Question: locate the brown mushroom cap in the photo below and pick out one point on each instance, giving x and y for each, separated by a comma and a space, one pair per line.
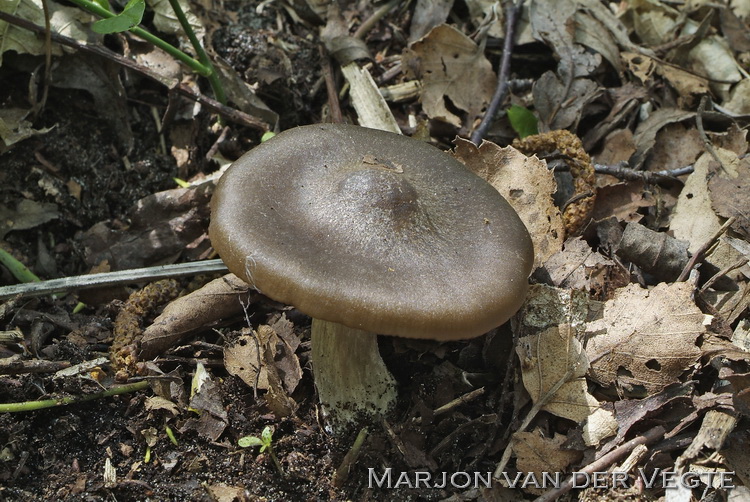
372, 230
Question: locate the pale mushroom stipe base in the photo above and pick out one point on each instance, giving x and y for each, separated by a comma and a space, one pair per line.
373, 231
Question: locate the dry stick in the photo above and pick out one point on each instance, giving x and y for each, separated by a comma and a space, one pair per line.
721, 273
462, 399
376, 16
706, 142
604, 462
703, 250
333, 97
34, 366
47, 57
231, 114
118, 278
511, 18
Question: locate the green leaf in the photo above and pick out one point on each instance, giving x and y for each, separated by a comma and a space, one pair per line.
267, 435
247, 441
266, 136
130, 17
522, 120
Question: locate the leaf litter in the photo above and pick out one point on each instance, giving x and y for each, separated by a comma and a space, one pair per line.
608, 347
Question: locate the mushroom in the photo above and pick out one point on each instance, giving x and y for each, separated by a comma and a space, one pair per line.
369, 232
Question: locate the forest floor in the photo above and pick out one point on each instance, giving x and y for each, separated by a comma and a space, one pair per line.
630, 353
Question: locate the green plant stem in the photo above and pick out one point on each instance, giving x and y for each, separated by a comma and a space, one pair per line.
18, 269
213, 77
276, 462
198, 67
51, 403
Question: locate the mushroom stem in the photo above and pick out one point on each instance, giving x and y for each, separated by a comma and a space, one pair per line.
351, 377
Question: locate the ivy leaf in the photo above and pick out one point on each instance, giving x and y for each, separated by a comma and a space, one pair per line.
130, 17
522, 121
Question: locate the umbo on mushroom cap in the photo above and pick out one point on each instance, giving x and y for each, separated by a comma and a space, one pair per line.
372, 230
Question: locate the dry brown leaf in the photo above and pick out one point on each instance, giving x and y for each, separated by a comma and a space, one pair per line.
552, 22
28, 214
694, 219
526, 184
538, 454
550, 357
730, 195
676, 145
442, 60
263, 350
427, 15
578, 266
550, 91
623, 201
645, 337
655, 253
221, 492
220, 299
162, 227
617, 147
547, 307
244, 358
645, 133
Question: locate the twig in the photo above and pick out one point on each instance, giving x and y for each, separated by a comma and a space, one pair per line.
703, 250
33, 366
333, 97
465, 398
706, 142
604, 462
111, 278
376, 16
63, 401
511, 18
231, 114
721, 273
623, 172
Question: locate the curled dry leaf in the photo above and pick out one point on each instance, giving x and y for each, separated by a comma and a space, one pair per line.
220, 299
442, 60
526, 184
656, 253
646, 338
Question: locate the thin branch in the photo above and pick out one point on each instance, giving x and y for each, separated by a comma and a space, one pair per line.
511, 18
121, 277
604, 462
231, 114
333, 97
51, 403
703, 250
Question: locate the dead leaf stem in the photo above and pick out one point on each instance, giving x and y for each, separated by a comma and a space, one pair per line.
703, 250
